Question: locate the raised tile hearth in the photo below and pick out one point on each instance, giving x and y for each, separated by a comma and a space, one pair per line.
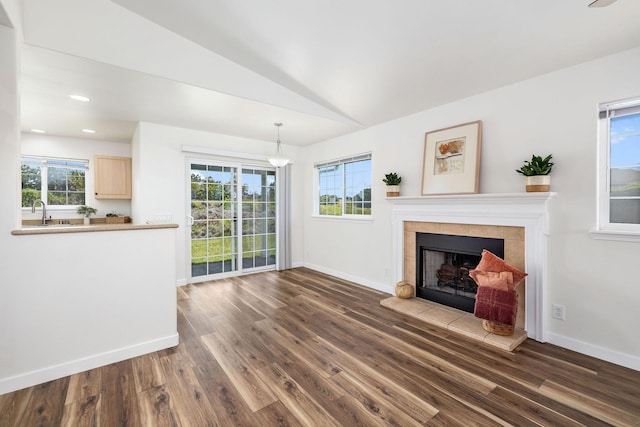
454, 320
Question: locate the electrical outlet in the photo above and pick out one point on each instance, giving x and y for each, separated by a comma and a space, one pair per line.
162, 218
557, 311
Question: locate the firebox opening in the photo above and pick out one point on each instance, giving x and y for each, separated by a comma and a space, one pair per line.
444, 262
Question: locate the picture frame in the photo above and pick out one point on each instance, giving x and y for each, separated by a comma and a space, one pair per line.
451, 161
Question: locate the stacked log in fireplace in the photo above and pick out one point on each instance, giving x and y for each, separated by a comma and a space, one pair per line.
457, 277
443, 263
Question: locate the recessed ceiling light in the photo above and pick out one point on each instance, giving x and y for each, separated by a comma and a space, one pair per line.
88, 131
38, 131
79, 98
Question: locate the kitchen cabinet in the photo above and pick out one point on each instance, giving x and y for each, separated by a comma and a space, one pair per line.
112, 177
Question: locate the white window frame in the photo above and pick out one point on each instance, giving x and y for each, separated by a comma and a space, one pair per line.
605, 229
43, 162
316, 188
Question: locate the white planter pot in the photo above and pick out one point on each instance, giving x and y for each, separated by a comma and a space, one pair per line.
538, 183
87, 221
393, 190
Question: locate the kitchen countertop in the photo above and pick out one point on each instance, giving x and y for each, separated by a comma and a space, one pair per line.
59, 229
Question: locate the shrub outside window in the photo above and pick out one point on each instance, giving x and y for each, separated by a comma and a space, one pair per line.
57, 182
344, 186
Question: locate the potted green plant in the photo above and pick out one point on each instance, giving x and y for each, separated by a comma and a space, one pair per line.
393, 181
537, 172
86, 212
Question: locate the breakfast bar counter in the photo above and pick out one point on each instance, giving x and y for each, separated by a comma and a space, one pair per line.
59, 229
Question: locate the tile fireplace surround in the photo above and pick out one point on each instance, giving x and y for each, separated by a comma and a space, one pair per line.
521, 219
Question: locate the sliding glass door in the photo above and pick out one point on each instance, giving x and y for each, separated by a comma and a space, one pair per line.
258, 218
232, 216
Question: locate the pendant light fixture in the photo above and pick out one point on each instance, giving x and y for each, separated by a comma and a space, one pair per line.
278, 160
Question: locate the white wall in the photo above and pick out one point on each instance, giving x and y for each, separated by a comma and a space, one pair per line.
9, 54
160, 178
555, 113
76, 301
76, 148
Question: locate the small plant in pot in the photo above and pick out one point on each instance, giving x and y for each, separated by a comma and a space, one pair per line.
393, 181
537, 172
86, 212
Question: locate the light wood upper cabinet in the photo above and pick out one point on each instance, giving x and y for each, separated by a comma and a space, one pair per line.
112, 177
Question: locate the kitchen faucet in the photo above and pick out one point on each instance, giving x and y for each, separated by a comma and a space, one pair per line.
44, 210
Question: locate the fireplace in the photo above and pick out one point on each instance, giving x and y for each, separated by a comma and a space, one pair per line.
443, 263
520, 219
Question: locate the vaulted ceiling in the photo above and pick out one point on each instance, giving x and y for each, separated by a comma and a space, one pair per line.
324, 68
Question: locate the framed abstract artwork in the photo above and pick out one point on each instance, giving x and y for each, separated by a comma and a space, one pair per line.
451, 162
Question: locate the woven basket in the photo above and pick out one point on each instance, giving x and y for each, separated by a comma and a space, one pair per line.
497, 328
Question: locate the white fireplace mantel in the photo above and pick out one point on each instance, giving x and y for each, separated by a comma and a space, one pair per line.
528, 210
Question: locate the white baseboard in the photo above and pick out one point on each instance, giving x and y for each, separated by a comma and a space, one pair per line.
29, 379
297, 264
622, 359
359, 280
181, 282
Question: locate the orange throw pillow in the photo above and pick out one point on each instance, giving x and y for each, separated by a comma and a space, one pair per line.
491, 262
502, 280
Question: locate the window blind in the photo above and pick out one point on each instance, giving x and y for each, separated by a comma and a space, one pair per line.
622, 108
56, 163
356, 158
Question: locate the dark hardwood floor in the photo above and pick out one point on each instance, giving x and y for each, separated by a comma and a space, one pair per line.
299, 348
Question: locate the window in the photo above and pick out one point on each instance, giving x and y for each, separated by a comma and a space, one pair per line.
57, 182
619, 158
344, 186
